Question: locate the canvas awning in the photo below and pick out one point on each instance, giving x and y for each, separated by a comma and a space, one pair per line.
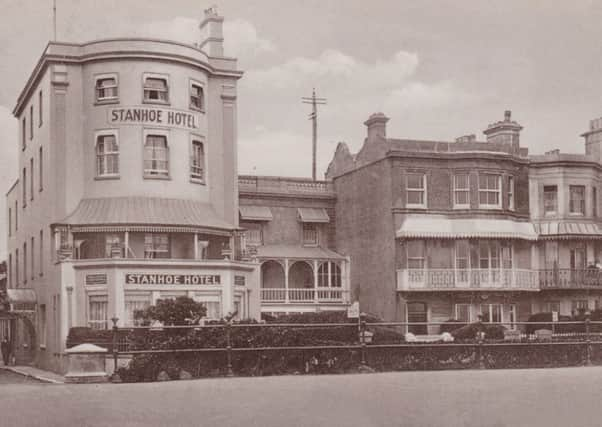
313, 215
437, 227
558, 229
161, 213
255, 213
22, 299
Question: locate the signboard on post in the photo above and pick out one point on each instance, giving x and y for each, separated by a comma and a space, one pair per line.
353, 311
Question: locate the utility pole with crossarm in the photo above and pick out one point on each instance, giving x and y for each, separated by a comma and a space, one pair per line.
314, 117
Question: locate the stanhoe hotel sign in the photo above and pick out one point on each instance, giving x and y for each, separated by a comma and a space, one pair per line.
168, 117
172, 279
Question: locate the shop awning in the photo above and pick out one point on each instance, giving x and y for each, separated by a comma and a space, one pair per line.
255, 213
22, 299
313, 215
437, 227
558, 229
146, 211
296, 252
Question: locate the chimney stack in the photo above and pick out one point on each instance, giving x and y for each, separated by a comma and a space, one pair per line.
506, 132
593, 139
212, 36
377, 126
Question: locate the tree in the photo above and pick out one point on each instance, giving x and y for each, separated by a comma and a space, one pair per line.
170, 312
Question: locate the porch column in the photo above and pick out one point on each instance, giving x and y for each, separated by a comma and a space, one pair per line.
196, 246
69, 307
286, 297
329, 272
535, 266
315, 262
126, 244
346, 284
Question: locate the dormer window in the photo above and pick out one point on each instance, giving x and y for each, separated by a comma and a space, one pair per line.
156, 89
106, 88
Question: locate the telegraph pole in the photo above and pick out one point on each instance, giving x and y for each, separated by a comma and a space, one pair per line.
314, 118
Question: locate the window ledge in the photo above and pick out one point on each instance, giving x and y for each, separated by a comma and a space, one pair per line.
491, 207
410, 206
200, 110
106, 177
42, 346
576, 214
106, 101
155, 101
464, 207
197, 181
158, 177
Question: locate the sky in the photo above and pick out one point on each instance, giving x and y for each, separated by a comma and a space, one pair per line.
438, 68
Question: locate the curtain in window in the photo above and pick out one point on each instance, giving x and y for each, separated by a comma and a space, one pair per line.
197, 162
107, 155
98, 312
156, 155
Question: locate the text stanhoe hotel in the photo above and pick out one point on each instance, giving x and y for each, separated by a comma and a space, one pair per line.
128, 192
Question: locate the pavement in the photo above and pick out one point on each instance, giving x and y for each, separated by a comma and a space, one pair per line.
35, 373
479, 398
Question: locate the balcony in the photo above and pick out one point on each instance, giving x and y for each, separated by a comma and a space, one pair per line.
441, 279
568, 278
304, 295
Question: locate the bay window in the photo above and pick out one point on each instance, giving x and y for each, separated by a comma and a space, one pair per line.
416, 254
550, 200
197, 161
577, 199
98, 311
156, 89
107, 154
416, 190
156, 156
106, 87
490, 191
461, 191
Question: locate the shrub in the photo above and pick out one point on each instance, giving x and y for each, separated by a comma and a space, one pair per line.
80, 335
547, 317
451, 325
179, 311
469, 332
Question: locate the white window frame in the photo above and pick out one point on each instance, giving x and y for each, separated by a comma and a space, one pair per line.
417, 190
192, 106
490, 306
457, 190
43, 325
457, 306
511, 201
106, 99
543, 192
253, 234
488, 191
155, 173
164, 77
316, 231
201, 177
100, 298
420, 259
210, 298
104, 173
571, 211
140, 301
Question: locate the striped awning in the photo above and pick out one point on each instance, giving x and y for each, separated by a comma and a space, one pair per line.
313, 215
438, 227
255, 213
145, 212
22, 300
558, 229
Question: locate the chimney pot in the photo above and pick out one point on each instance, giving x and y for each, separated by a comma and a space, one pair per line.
507, 115
377, 126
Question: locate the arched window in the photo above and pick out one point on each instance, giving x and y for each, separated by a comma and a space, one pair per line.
107, 155
335, 275
156, 156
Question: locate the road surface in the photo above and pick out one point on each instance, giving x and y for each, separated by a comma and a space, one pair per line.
539, 397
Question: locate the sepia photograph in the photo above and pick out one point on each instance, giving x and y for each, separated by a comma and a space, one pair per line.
300, 213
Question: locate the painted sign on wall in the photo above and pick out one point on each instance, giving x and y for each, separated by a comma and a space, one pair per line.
172, 279
169, 117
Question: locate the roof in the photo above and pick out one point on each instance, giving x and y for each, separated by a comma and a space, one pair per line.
145, 211
560, 228
432, 226
296, 252
313, 215
255, 213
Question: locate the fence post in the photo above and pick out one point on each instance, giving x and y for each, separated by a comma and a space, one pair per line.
115, 378
588, 346
362, 337
229, 372
480, 344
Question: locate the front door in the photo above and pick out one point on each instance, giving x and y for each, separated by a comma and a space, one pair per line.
417, 313
577, 260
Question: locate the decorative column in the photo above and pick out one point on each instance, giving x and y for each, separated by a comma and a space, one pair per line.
315, 263
69, 307
286, 296
196, 246
126, 244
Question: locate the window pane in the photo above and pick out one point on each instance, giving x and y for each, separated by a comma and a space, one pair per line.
415, 181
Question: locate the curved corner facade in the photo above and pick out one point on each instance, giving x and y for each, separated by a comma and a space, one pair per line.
128, 190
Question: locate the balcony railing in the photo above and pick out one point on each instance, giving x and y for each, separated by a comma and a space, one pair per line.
476, 278
304, 295
570, 278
